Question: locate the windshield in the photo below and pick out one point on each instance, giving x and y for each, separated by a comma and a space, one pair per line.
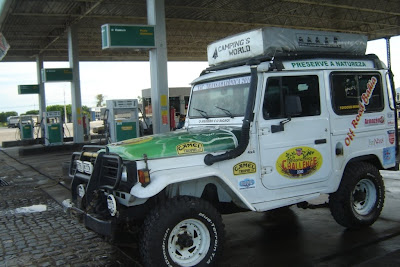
222, 98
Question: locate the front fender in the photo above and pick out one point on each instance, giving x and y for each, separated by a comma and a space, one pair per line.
161, 179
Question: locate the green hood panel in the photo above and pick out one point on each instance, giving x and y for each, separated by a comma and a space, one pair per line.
177, 143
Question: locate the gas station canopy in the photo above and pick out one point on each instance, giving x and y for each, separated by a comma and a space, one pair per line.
33, 27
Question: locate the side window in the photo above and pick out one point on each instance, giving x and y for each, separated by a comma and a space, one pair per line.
349, 90
305, 87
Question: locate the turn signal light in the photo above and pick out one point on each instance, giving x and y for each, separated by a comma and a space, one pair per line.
144, 177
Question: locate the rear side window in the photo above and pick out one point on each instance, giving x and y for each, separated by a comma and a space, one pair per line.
352, 91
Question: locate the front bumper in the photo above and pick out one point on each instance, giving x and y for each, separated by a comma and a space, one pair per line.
100, 226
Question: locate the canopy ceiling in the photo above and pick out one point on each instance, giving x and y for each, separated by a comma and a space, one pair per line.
34, 27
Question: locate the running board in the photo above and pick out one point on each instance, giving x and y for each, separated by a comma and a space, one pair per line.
274, 204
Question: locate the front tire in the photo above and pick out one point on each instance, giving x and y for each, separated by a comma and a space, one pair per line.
185, 231
359, 200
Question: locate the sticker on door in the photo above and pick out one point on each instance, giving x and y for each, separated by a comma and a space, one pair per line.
299, 162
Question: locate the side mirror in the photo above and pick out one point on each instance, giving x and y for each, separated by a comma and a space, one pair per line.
292, 108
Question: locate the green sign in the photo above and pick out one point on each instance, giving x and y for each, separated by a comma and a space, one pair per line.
57, 75
127, 36
28, 89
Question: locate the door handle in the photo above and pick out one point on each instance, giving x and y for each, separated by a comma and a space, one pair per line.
320, 141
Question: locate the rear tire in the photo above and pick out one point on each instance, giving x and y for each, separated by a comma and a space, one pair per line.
185, 231
359, 200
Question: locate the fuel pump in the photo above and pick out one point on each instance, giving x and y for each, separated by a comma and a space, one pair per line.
122, 119
26, 127
53, 132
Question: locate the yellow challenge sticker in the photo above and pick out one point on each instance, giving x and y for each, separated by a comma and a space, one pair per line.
189, 148
244, 167
299, 162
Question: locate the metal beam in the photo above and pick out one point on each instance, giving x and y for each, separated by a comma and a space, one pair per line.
74, 21
362, 9
75, 85
4, 9
158, 67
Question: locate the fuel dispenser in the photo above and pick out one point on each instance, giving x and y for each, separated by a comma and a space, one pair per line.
26, 127
53, 131
122, 119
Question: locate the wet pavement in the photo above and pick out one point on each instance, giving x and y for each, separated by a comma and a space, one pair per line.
35, 230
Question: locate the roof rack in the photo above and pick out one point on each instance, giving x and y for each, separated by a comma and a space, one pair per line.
276, 62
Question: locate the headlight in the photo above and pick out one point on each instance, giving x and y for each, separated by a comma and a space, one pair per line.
124, 174
87, 167
112, 205
79, 166
81, 190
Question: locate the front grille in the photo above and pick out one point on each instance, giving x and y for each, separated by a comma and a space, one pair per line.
110, 173
100, 169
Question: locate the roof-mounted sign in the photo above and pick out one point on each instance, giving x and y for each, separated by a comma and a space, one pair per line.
28, 89
327, 64
57, 75
4, 46
127, 36
271, 41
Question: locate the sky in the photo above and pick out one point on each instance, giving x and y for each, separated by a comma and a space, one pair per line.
121, 80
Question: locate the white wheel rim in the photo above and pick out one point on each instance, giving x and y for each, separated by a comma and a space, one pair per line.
364, 197
198, 237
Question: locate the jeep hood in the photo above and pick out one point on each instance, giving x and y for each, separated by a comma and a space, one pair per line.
177, 143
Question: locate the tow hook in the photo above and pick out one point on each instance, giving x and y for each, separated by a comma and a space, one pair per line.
72, 211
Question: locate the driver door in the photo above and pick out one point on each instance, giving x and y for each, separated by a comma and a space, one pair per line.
294, 150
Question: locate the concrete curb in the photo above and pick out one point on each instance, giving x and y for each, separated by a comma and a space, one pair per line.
390, 174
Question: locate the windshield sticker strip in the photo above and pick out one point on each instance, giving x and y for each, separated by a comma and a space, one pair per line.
222, 83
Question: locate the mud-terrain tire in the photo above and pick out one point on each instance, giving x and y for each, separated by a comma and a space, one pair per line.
185, 231
359, 200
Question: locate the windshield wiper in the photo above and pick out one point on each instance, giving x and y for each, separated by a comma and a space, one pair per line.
227, 112
202, 113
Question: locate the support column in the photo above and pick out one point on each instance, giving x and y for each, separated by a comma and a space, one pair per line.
42, 95
182, 104
158, 67
389, 61
75, 84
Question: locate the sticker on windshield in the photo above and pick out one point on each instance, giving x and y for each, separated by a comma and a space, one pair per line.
189, 148
299, 162
222, 83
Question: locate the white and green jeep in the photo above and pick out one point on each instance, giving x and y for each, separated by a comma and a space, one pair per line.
280, 117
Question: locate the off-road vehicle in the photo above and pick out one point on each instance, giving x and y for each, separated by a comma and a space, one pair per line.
280, 117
